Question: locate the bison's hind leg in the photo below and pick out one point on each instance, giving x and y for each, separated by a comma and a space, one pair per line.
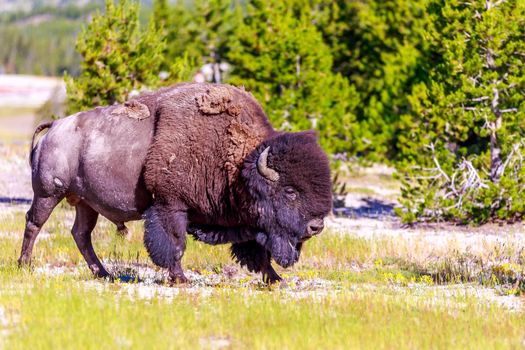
85, 221
36, 217
256, 259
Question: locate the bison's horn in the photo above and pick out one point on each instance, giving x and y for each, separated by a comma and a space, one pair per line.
262, 166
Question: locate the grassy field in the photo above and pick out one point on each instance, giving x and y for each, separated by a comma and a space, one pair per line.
366, 282
346, 292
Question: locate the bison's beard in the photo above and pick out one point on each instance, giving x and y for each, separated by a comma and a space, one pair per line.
282, 249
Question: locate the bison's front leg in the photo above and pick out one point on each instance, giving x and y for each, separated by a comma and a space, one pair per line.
256, 259
165, 238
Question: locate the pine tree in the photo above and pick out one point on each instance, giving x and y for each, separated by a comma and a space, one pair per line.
381, 47
466, 133
278, 54
118, 57
200, 29
161, 14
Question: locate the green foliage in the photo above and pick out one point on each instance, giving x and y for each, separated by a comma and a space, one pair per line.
119, 57
201, 29
462, 143
282, 59
381, 47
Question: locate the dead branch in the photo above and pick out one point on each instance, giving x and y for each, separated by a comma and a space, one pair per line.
478, 99
489, 4
502, 168
509, 110
438, 167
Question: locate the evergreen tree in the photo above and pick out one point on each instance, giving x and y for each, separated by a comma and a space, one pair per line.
201, 29
463, 144
279, 55
118, 57
161, 14
382, 48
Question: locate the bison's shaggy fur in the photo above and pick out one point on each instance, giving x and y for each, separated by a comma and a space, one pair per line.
204, 173
196, 158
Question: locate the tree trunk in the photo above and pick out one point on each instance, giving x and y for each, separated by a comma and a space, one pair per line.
495, 149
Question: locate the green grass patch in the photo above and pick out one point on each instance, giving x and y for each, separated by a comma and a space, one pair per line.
346, 292
62, 312
13, 111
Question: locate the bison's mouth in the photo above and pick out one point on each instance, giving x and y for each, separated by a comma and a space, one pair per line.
282, 249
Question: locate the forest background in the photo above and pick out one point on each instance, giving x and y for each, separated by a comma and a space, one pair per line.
433, 88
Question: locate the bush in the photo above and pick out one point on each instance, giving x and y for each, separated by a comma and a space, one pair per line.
118, 58
462, 144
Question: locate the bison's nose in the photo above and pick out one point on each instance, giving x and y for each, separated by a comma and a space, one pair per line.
315, 227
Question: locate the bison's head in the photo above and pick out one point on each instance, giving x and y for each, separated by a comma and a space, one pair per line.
288, 178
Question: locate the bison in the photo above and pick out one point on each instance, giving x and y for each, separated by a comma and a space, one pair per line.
201, 159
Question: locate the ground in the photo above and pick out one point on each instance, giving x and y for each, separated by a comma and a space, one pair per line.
366, 282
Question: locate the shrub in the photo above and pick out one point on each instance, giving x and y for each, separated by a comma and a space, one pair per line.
462, 144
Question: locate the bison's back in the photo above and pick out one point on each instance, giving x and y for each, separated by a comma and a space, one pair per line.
98, 156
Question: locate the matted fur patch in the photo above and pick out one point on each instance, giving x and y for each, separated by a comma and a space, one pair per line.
218, 100
132, 109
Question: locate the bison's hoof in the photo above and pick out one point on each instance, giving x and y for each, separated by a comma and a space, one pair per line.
177, 279
176, 274
271, 277
24, 262
123, 231
99, 271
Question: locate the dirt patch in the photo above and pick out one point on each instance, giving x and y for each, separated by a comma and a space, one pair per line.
151, 284
434, 235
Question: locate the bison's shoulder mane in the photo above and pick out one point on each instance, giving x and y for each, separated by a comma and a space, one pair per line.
203, 134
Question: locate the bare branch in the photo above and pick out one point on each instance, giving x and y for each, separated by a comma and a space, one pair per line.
478, 99
489, 4
495, 100
471, 180
502, 168
509, 110
438, 167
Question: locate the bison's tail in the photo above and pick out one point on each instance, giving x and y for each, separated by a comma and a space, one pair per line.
38, 130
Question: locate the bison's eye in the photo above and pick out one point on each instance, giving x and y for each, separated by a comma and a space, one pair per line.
290, 193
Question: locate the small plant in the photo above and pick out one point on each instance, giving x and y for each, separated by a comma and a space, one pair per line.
338, 190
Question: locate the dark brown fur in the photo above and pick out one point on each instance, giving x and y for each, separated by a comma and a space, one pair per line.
186, 159
201, 169
198, 151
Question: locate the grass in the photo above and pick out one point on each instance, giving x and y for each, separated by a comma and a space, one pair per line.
62, 313
13, 111
346, 292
